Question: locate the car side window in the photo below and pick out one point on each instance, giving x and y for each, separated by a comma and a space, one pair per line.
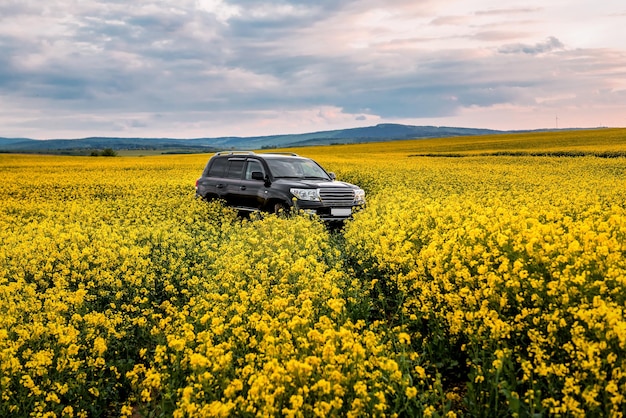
253, 165
218, 167
235, 169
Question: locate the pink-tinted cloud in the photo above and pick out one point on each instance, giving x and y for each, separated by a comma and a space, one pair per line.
212, 68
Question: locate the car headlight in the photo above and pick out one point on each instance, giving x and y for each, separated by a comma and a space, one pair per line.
359, 196
306, 194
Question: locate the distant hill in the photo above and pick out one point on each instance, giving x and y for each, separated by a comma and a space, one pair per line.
378, 133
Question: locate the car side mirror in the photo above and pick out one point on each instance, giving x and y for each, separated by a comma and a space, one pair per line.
332, 176
257, 175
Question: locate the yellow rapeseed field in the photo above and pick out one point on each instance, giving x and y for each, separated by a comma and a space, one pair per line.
486, 277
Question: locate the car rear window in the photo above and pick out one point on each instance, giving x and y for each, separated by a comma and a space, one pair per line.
218, 167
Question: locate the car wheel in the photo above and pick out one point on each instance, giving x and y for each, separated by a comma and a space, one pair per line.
281, 209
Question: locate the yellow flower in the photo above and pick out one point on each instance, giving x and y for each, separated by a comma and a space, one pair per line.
411, 392
99, 346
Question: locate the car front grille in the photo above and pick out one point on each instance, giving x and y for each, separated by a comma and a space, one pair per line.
337, 196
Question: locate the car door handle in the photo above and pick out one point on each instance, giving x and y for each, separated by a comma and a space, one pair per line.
220, 186
243, 187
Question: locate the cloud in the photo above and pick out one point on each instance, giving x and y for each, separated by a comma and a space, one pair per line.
508, 11
498, 35
549, 45
208, 64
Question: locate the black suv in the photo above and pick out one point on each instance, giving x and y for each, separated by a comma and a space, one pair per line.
275, 182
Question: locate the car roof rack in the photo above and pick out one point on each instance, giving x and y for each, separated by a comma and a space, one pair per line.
293, 154
234, 153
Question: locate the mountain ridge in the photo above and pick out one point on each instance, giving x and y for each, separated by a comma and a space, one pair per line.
378, 133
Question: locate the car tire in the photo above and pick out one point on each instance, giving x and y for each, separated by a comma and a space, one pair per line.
281, 209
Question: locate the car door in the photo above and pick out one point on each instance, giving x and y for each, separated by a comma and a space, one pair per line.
252, 191
229, 186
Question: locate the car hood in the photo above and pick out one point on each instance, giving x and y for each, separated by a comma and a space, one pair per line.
313, 184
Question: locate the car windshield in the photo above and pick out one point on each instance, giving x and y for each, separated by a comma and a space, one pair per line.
296, 168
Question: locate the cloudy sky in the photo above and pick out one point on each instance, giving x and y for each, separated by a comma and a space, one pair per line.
207, 68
